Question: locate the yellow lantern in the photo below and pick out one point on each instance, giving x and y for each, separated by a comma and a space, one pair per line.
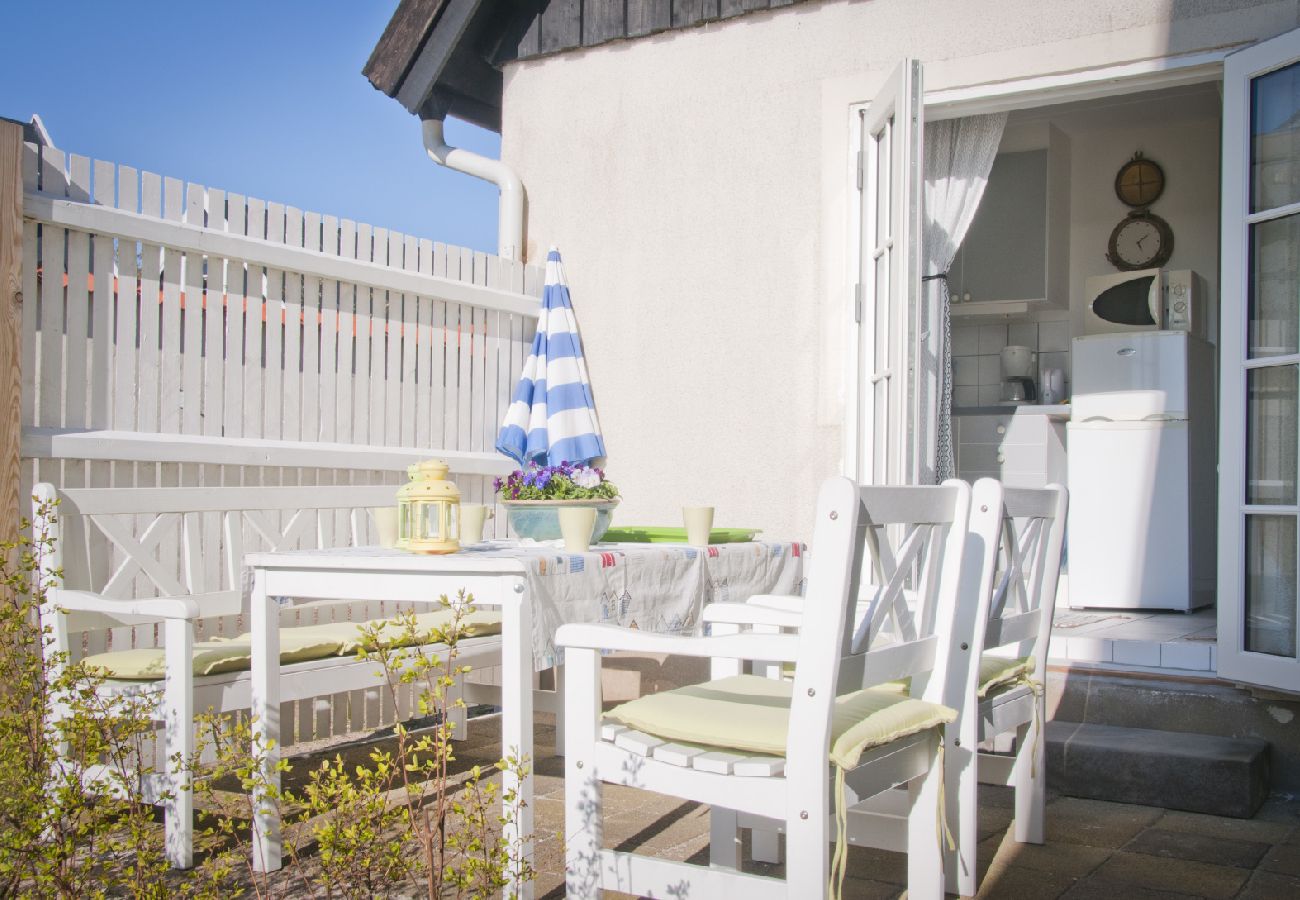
428, 510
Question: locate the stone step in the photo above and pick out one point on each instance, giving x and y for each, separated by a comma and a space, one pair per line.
1175, 770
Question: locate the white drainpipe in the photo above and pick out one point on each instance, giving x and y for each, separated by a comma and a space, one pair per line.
510, 218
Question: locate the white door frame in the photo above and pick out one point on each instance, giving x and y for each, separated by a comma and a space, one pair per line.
949, 103
1234, 661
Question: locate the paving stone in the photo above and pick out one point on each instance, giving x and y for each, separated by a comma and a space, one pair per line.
1256, 829
1196, 772
1012, 883
993, 820
1076, 860
1183, 876
1283, 859
1270, 886
1097, 823
1221, 851
1104, 889
877, 865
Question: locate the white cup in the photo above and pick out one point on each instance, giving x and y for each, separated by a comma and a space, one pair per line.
473, 516
577, 524
699, 522
386, 522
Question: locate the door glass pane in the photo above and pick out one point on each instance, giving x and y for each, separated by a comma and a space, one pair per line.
1271, 435
1270, 585
1275, 139
1274, 287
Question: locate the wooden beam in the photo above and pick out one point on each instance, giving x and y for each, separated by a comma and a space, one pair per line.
400, 43
197, 239
127, 446
436, 52
11, 318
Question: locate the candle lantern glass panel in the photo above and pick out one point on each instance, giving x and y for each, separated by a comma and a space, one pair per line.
429, 510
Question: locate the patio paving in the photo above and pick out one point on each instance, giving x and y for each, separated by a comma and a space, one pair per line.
1094, 849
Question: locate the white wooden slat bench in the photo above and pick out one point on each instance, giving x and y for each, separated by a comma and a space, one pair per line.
139, 571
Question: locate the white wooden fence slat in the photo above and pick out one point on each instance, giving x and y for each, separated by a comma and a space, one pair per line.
255, 314
291, 392
312, 337
391, 436
31, 172
101, 326
479, 389
77, 348
348, 368
464, 354
451, 355
363, 406
409, 344
192, 316
273, 387
50, 385
214, 326
150, 312
127, 332
172, 351
423, 350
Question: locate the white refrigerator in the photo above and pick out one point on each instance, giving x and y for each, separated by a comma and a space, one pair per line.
1141, 472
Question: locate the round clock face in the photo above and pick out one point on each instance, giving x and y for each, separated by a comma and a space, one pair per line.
1140, 182
1141, 242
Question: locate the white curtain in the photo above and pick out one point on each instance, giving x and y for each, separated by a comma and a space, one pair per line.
958, 157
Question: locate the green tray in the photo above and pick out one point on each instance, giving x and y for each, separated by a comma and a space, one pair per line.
638, 534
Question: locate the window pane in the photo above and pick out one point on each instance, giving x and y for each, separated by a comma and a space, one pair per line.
1274, 287
1271, 411
1275, 139
1271, 585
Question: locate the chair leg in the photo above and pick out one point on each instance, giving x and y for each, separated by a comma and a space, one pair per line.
559, 714
765, 845
961, 781
1031, 780
724, 838
924, 842
583, 810
178, 729
808, 844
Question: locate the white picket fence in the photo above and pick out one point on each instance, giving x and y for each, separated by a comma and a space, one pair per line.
172, 324
178, 335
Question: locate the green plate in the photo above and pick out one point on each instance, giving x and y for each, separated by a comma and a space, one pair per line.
638, 534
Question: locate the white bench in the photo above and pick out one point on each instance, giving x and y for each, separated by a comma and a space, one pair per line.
163, 568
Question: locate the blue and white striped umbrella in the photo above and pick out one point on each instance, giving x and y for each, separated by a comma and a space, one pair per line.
552, 418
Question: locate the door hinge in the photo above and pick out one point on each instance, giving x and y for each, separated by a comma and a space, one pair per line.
859, 170
857, 303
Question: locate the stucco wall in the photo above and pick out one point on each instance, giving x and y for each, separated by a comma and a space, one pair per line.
698, 186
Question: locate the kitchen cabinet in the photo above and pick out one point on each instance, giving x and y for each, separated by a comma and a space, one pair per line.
1016, 255
1020, 448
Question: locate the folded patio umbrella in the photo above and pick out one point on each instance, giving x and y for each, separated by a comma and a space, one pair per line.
552, 418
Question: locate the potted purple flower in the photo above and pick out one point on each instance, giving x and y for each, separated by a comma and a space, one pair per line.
534, 495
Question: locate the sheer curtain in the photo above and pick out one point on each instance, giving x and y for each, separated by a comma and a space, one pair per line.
958, 156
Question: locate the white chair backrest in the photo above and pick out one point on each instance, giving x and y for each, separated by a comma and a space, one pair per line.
1029, 565
899, 549
136, 542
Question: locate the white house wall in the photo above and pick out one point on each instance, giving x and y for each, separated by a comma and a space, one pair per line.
699, 186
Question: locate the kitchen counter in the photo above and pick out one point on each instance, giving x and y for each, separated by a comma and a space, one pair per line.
1056, 411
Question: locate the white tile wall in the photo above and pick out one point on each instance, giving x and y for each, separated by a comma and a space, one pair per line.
976, 370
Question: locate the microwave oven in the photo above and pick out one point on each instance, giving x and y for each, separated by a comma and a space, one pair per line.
1146, 300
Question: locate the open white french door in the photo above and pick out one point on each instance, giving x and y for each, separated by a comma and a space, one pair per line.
886, 306
1259, 466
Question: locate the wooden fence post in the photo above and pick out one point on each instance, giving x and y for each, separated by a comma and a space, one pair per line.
11, 300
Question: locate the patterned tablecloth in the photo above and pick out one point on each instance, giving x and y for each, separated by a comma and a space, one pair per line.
657, 587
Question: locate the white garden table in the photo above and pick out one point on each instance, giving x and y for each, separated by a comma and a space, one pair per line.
538, 587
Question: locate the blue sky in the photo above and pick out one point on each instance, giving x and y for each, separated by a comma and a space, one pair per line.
265, 99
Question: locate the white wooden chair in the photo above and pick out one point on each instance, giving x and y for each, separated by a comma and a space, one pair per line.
161, 567
1010, 696
768, 756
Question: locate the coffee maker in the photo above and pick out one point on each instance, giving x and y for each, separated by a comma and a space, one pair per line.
1017, 365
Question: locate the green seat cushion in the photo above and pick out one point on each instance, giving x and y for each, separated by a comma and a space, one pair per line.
997, 671
751, 713
300, 644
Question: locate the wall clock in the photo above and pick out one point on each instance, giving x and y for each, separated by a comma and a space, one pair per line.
1139, 182
1142, 240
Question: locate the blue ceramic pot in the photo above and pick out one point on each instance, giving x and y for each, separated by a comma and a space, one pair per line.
540, 519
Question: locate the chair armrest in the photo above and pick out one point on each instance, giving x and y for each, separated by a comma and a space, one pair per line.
774, 647
157, 607
789, 602
751, 614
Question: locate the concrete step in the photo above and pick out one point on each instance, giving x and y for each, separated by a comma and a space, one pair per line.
1196, 705
1175, 770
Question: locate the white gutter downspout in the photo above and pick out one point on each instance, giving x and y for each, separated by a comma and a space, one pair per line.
510, 214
